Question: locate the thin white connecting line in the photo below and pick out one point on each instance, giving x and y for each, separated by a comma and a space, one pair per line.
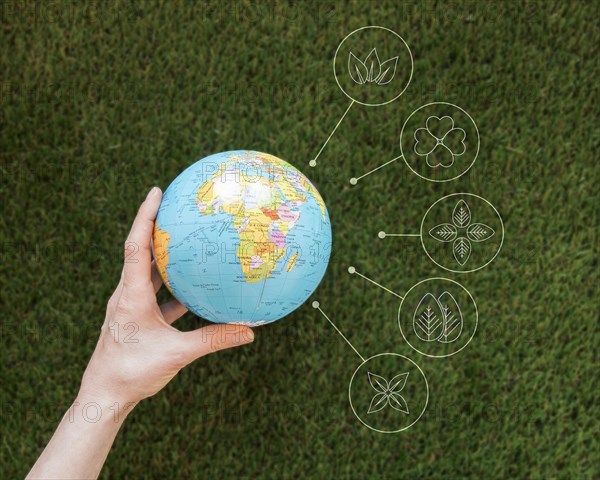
316, 305
384, 234
313, 162
354, 180
353, 271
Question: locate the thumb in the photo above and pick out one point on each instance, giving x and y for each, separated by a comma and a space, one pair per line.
213, 338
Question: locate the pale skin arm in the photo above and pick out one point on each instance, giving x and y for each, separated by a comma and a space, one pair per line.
137, 354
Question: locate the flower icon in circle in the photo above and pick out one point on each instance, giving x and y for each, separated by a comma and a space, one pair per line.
440, 141
388, 393
455, 232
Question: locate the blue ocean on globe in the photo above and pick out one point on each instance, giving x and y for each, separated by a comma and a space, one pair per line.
242, 237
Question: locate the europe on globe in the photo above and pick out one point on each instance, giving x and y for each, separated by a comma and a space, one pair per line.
242, 237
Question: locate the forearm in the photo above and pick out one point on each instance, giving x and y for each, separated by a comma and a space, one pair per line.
81, 443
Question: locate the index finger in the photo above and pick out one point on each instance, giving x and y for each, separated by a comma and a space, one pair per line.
137, 264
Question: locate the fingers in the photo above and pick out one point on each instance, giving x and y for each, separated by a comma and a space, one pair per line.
172, 310
137, 247
213, 338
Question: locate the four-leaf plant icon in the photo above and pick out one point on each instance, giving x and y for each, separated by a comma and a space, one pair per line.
371, 70
388, 393
440, 142
461, 232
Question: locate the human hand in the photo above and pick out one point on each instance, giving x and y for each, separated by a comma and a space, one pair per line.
138, 351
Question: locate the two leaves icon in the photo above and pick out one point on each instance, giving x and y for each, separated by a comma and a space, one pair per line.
438, 319
471, 232
388, 393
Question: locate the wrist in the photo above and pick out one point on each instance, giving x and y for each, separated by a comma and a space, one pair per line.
93, 407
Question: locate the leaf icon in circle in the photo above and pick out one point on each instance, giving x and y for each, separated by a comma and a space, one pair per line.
388, 70
479, 232
428, 318
373, 65
461, 216
379, 383
378, 402
444, 232
452, 318
397, 402
461, 249
357, 69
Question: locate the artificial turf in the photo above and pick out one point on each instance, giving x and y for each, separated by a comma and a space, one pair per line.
100, 101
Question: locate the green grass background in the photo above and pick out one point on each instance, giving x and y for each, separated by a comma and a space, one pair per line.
101, 101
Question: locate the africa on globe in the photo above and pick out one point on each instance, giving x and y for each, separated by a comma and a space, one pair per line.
242, 237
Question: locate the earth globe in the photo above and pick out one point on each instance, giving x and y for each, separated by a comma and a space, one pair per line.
242, 237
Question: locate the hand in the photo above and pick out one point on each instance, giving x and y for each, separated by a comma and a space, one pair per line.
137, 354
138, 351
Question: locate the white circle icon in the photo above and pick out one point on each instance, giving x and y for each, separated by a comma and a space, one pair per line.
439, 142
373, 66
438, 317
462, 232
388, 393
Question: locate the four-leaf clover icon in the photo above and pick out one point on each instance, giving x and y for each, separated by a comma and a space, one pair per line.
440, 142
388, 393
455, 232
